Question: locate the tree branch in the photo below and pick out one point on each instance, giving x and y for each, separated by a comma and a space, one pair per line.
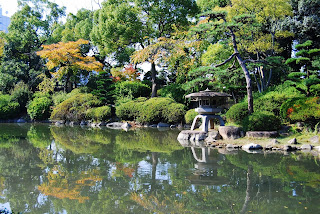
226, 61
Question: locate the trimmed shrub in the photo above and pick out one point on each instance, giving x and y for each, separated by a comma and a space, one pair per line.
39, 108
130, 110
75, 107
135, 89
154, 110
190, 115
99, 113
8, 109
237, 112
261, 121
302, 109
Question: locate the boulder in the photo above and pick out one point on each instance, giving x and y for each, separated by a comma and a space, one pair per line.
115, 125
317, 148
72, 123
101, 123
126, 126
83, 123
252, 146
293, 141
162, 125
264, 134
274, 142
59, 123
213, 136
230, 132
173, 126
289, 148
306, 147
314, 139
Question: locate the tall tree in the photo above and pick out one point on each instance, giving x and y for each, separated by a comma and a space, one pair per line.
67, 59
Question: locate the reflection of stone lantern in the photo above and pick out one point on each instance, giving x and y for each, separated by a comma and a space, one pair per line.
208, 104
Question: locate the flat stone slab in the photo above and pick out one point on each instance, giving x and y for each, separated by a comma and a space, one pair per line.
264, 134
230, 132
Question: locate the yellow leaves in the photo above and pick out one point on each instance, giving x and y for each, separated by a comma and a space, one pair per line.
67, 56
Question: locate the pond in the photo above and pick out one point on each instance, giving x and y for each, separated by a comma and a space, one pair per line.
49, 169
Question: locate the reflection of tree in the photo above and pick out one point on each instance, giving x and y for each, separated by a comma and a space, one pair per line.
63, 184
81, 140
39, 135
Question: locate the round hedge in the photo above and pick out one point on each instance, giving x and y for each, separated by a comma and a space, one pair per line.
237, 112
39, 108
261, 121
99, 114
190, 115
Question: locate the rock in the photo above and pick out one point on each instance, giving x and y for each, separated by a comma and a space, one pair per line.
59, 123
83, 123
161, 125
314, 139
21, 120
153, 126
72, 123
265, 134
252, 146
115, 125
230, 132
317, 148
187, 126
173, 126
306, 147
299, 125
101, 123
269, 147
192, 135
126, 126
289, 148
213, 136
293, 141
274, 142
230, 146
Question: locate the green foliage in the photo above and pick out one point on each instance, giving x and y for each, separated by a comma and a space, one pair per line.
190, 115
99, 114
136, 89
302, 109
154, 110
59, 97
130, 110
261, 121
9, 109
237, 112
173, 91
101, 85
21, 94
39, 108
75, 107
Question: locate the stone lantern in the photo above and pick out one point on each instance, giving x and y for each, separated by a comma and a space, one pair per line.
208, 104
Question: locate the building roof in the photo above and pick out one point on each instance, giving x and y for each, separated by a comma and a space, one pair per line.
208, 93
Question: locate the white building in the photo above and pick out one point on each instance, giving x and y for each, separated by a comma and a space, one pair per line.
4, 21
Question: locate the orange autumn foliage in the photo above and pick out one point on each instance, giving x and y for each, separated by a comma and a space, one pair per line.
65, 185
67, 56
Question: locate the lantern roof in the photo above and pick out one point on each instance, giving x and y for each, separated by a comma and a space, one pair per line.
207, 93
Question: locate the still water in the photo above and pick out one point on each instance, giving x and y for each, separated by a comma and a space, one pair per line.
48, 169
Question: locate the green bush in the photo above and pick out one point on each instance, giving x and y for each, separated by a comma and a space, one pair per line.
21, 94
99, 114
75, 107
130, 110
302, 109
8, 109
39, 108
135, 89
190, 115
59, 97
261, 121
237, 112
154, 110
173, 91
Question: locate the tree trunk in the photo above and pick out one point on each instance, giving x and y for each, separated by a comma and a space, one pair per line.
153, 80
248, 81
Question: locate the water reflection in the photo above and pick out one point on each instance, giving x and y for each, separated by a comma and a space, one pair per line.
48, 169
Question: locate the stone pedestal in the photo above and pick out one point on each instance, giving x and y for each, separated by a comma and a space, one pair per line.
207, 121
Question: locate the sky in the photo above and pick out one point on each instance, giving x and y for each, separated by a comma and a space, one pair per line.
9, 7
